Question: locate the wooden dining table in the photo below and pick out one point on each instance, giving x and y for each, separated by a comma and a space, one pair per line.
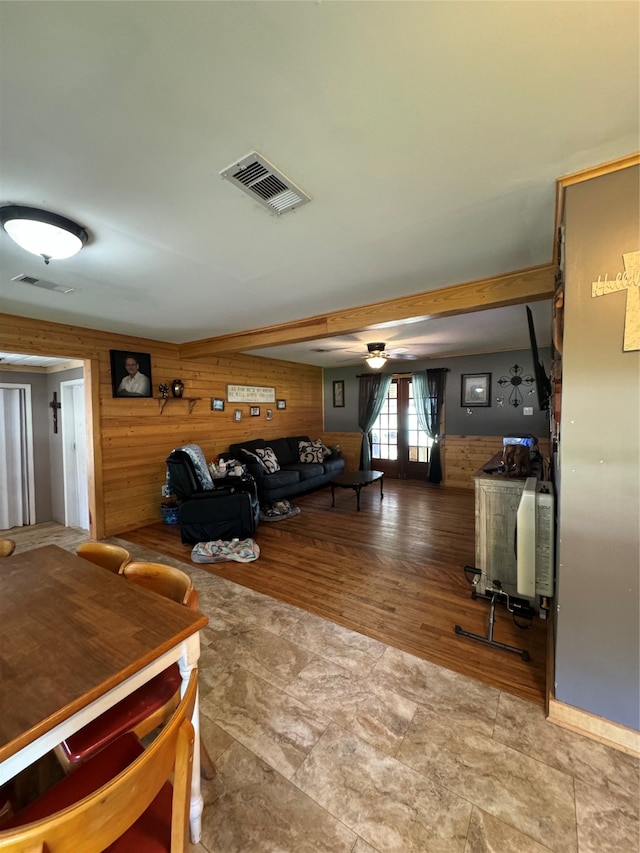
75, 639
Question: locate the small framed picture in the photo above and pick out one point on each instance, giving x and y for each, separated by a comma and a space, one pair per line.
237, 415
217, 404
338, 394
255, 411
476, 389
281, 404
269, 415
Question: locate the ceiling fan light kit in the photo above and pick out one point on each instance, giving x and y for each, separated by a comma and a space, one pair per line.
377, 356
40, 232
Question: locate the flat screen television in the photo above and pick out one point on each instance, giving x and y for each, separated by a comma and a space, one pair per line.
543, 383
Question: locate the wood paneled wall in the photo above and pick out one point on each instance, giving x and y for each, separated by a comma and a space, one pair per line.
130, 439
464, 454
350, 444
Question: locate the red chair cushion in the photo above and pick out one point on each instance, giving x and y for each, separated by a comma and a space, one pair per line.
124, 716
152, 831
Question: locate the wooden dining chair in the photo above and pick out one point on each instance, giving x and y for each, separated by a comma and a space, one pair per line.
7, 547
169, 581
111, 557
122, 798
152, 703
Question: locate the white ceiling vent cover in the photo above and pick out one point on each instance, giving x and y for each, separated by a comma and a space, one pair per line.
260, 179
40, 282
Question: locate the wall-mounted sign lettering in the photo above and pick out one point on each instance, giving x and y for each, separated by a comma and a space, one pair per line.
250, 394
628, 280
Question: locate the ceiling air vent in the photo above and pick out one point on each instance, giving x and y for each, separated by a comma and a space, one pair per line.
40, 282
260, 179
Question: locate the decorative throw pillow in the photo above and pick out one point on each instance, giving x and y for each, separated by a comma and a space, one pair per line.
310, 451
253, 457
268, 459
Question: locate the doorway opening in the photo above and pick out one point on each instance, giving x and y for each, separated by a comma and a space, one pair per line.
17, 474
398, 446
74, 454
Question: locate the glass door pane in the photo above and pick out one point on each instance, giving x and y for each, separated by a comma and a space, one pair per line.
399, 447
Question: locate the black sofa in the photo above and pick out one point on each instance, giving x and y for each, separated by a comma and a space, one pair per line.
293, 476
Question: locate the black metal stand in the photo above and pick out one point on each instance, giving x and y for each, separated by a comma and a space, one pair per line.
496, 594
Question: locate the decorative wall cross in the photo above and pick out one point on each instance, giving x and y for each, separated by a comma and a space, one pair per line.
515, 380
628, 280
54, 405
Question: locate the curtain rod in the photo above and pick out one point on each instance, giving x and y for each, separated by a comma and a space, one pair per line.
442, 369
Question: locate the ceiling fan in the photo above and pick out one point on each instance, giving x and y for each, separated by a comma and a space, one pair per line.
376, 350
378, 355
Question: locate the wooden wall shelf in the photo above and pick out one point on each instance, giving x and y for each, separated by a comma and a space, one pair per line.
190, 400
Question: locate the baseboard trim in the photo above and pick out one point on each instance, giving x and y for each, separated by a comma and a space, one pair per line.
597, 728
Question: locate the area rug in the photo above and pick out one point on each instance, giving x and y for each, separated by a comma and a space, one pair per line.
278, 511
223, 550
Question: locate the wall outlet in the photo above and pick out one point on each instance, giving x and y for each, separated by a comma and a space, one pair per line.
527, 410
165, 491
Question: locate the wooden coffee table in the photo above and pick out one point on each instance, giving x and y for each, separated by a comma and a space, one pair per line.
356, 481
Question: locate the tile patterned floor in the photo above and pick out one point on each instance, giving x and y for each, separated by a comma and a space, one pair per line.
327, 741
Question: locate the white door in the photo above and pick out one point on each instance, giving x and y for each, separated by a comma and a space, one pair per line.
17, 480
74, 454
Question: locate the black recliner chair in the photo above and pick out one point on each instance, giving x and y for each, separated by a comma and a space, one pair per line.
228, 510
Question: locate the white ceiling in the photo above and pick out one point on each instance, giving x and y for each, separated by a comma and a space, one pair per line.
429, 136
13, 359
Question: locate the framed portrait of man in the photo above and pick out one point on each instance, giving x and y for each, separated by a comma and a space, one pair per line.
131, 374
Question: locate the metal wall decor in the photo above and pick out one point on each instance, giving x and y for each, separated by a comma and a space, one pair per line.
516, 380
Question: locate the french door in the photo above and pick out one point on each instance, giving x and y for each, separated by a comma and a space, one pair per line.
398, 446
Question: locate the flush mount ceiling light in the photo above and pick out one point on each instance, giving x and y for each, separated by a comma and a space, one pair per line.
377, 356
42, 233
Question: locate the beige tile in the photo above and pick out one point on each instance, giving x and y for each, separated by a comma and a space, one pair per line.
463, 700
276, 727
487, 834
526, 794
340, 645
250, 808
363, 847
606, 823
254, 609
215, 739
523, 726
213, 667
263, 653
380, 717
393, 808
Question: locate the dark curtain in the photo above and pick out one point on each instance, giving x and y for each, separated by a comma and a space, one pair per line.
428, 393
373, 391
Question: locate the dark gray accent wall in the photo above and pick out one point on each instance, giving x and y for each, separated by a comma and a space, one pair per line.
491, 420
598, 619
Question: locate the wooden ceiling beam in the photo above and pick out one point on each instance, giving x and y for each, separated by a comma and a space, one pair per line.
528, 285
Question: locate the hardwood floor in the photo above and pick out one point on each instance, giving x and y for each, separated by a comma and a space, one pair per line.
393, 571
